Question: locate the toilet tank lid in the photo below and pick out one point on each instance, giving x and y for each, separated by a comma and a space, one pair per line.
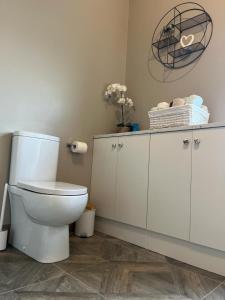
53, 188
36, 135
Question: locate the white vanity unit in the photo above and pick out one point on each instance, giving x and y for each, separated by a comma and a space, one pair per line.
164, 190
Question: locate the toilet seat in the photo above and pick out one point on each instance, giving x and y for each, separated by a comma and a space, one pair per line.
51, 210
53, 188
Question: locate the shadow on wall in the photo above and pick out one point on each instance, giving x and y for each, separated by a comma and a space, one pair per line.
78, 159
73, 167
5, 154
162, 74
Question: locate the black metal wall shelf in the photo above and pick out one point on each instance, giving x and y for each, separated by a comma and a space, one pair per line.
170, 46
193, 22
166, 42
187, 50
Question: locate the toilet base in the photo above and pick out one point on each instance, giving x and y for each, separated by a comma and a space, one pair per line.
46, 244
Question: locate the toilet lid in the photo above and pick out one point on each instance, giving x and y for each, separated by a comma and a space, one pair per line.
53, 188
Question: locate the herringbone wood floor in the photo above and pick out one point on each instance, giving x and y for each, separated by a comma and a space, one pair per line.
102, 267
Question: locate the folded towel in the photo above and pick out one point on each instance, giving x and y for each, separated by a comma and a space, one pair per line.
194, 99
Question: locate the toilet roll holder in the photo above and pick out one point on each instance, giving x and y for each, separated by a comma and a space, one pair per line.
68, 145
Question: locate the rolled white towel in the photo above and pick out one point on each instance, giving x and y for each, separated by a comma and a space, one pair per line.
163, 105
154, 108
205, 108
194, 99
178, 101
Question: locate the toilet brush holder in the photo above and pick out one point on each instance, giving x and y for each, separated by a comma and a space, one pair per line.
3, 233
3, 239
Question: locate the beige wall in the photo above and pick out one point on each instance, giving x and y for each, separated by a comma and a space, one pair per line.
57, 56
55, 59
206, 79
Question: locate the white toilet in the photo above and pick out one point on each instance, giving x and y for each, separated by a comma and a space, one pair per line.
41, 208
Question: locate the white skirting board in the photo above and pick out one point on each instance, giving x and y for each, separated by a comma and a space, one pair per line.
199, 256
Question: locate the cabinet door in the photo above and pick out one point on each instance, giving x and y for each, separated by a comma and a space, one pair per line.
169, 184
208, 188
132, 180
103, 176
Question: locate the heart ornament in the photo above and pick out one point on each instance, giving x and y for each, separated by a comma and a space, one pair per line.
186, 41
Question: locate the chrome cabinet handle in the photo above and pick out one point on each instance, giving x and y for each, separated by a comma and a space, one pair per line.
113, 146
186, 142
120, 146
197, 141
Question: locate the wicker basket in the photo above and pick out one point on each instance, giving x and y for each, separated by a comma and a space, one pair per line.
188, 114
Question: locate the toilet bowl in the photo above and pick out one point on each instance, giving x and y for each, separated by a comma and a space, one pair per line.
39, 222
41, 210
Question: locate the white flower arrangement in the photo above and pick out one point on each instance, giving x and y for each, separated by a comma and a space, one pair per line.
117, 93
115, 88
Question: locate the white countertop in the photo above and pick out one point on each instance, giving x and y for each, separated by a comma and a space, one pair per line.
205, 126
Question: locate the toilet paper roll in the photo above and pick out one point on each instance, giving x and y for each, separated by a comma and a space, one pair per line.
78, 147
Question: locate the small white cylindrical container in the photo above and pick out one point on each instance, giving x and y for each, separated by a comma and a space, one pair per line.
3, 239
85, 225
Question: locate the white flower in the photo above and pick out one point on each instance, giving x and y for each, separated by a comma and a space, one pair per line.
117, 92
116, 86
108, 94
121, 101
129, 102
122, 88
